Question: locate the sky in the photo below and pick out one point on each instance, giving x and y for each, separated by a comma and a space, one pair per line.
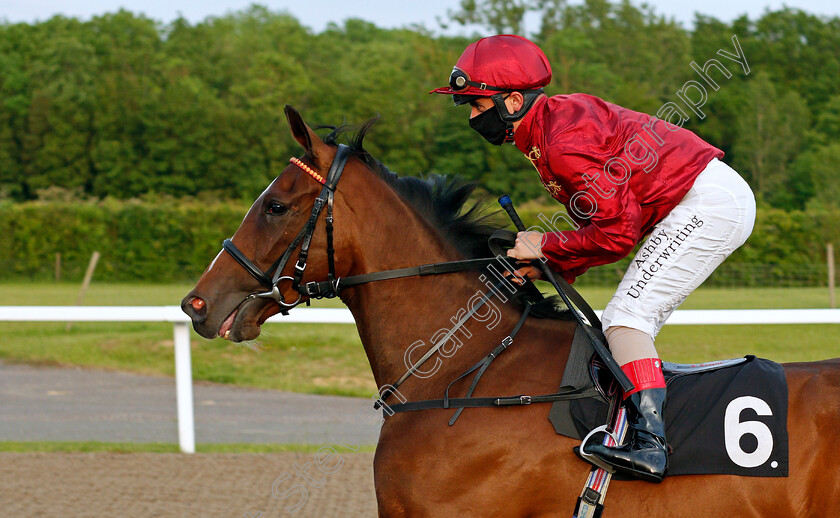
384, 13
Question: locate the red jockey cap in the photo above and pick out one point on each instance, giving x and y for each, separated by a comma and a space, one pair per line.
503, 63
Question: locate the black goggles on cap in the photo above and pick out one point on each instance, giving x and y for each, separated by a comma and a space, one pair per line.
460, 80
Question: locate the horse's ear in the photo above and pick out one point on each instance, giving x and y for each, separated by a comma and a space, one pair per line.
311, 142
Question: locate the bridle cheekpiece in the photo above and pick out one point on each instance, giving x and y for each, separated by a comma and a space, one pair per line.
273, 276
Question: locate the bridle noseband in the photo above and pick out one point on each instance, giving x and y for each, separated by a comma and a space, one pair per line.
304, 239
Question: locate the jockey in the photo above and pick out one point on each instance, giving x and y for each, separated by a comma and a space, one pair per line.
625, 178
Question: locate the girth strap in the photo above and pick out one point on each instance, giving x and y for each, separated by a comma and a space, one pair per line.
479, 402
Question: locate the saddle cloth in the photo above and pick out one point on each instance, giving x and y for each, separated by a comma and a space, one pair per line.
725, 417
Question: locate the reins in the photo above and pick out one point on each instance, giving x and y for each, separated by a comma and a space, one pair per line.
331, 287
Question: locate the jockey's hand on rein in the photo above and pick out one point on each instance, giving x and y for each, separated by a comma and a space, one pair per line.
528, 246
531, 272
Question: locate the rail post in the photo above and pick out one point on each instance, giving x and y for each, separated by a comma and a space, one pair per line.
184, 388
829, 252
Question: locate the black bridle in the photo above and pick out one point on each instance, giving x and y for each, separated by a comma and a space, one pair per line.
330, 287
304, 239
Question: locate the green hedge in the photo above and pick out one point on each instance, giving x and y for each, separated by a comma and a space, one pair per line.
786, 248
175, 240
172, 241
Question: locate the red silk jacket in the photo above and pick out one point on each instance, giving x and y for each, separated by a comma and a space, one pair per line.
618, 172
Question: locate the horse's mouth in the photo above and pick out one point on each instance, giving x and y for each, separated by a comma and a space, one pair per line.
227, 325
245, 320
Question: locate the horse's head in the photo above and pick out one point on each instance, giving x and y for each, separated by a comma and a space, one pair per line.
263, 269
226, 300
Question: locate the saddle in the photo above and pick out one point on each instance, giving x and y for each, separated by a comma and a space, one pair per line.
721, 417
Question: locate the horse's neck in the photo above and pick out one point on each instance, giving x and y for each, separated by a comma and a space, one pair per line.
397, 315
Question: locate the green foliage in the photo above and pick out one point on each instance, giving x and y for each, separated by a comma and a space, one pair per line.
123, 106
175, 240
770, 131
137, 241
502, 16
817, 169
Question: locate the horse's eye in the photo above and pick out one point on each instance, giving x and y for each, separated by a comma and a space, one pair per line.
276, 209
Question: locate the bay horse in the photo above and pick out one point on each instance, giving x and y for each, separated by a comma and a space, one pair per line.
505, 462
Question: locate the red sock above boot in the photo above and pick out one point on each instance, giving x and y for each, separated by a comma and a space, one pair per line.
645, 374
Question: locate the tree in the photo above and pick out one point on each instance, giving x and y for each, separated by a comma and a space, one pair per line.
771, 128
125, 106
818, 168
501, 16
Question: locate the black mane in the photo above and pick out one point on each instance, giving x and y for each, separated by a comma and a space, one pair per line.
442, 200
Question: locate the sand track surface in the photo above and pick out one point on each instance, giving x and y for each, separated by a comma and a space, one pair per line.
141, 485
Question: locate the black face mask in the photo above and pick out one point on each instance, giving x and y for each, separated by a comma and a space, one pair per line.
491, 126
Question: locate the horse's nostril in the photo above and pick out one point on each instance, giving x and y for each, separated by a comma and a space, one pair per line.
195, 307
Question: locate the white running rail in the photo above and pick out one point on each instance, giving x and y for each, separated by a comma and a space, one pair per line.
183, 367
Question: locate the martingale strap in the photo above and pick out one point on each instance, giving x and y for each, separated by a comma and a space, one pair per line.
564, 394
391, 388
482, 365
497, 241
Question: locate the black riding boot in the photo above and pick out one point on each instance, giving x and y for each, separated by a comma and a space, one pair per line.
644, 454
